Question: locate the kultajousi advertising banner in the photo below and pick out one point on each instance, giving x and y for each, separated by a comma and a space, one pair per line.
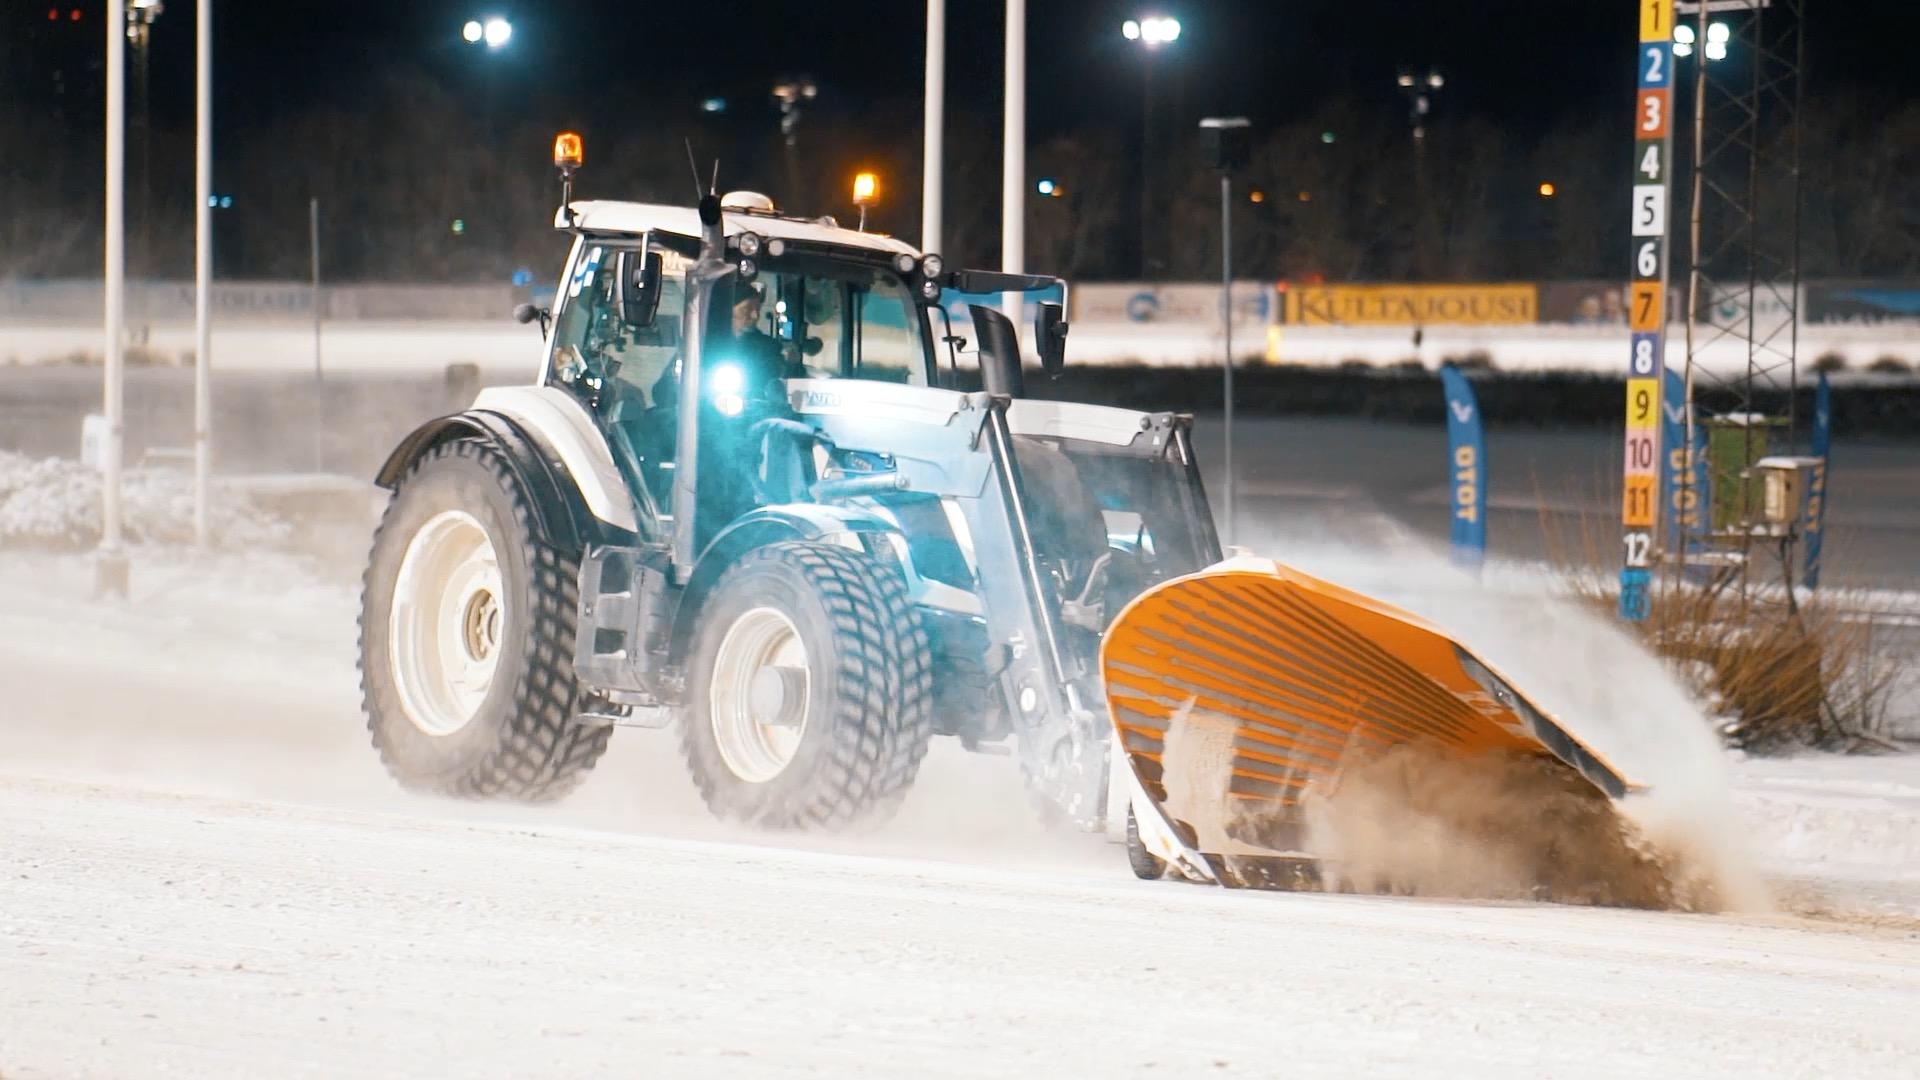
1411, 305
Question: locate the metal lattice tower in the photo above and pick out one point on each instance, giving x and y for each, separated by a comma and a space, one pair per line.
1743, 212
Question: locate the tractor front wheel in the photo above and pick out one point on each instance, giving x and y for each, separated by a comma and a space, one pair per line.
809, 689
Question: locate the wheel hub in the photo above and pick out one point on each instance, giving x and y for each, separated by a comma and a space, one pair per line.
447, 623
757, 699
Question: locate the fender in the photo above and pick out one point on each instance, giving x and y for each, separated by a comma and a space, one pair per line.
564, 427
558, 514
845, 525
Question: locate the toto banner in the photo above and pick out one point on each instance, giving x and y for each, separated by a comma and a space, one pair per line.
1466, 469
1171, 305
1412, 305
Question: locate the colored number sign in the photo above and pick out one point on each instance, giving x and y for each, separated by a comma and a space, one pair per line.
1656, 20
1646, 258
1637, 501
1646, 299
1635, 604
1646, 355
1643, 406
1651, 117
1640, 452
1656, 64
1644, 306
1649, 161
1649, 210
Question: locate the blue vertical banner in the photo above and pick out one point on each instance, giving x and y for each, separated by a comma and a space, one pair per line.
1813, 528
1466, 469
1683, 473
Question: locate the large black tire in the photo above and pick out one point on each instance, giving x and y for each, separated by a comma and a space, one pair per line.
521, 741
870, 689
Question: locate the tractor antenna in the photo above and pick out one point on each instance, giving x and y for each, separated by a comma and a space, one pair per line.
694, 168
713, 186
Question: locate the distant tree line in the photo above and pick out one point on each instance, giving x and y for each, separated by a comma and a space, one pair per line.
416, 184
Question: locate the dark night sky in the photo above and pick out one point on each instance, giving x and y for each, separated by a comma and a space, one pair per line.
1523, 64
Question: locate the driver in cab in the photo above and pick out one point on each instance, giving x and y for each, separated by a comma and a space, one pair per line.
758, 362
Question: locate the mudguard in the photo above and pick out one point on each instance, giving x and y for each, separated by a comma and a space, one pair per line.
1236, 690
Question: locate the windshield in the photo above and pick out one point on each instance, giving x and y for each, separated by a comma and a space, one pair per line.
832, 319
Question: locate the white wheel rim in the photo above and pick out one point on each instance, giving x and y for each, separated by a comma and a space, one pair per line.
449, 613
755, 750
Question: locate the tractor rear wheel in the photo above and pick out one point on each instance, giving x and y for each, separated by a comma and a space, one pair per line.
809, 689
466, 637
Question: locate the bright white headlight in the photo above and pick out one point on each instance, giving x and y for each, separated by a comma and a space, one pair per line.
727, 379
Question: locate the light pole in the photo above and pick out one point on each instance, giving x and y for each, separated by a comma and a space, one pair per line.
1226, 138
1013, 156
1151, 33
110, 569
1420, 90
790, 93
933, 125
202, 268
140, 18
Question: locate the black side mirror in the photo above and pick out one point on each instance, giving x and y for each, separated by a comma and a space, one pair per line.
1050, 337
639, 287
526, 313
1000, 373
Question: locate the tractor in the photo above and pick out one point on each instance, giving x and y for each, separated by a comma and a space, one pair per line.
762, 492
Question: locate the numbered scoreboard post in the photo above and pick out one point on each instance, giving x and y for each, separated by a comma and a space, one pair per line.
1647, 300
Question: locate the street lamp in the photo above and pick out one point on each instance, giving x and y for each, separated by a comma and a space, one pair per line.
1420, 90
1150, 33
790, 93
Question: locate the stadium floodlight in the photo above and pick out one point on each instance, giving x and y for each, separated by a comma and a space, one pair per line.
1152, 31
1685, 38
497, 32
472, 32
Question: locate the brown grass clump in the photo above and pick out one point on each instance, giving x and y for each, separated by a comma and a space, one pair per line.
1780, 671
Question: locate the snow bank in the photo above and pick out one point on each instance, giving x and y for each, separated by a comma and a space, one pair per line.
55, 504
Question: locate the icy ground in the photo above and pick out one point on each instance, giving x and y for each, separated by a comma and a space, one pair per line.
204, 873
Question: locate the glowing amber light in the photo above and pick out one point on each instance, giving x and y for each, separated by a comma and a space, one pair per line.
866, 189
1256, 195
568, 151
1546, 191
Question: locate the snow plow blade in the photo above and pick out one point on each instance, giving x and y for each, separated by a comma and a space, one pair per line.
1235, 691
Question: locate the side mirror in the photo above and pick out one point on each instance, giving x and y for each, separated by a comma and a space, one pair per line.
1000, 373
1050, 337
639, 287
526, 313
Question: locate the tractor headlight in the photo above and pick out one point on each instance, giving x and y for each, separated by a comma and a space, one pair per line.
903, 262
776, 247
728, 385
930, 289
932, 265
748, 268
748, 243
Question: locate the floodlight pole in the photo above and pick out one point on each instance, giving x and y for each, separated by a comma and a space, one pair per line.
202, 269
319, 373
1013, 168
111, 570
1226, 138
933, 126
1226, 331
